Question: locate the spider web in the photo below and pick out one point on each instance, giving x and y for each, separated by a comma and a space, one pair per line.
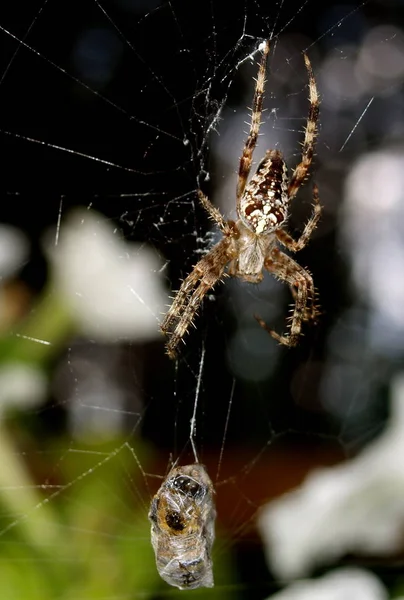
112, 115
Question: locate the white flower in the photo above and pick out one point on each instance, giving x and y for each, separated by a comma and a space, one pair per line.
113, 288
343, 584
21, 386
373, 233
356, 507
14, 249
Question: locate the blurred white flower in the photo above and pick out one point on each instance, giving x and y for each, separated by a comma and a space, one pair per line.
373, 234
356, 507
381, 57
14, 249
113, 288
96, 387
21, 386
351, 583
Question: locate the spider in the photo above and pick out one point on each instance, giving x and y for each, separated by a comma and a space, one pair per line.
251, 244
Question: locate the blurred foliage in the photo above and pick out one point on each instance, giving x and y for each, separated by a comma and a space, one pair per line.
73, 520
94, 535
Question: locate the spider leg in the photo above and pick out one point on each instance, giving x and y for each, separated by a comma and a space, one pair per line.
206, 273
246, 158
288, 241
310, 135
312, 311
286, 269
214, 213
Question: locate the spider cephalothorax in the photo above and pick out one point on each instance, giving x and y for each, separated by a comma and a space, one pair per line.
251, 244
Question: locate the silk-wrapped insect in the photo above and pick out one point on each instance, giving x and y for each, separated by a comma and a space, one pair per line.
182, 514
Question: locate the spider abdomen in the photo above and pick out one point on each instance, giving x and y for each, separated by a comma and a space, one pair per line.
263, 207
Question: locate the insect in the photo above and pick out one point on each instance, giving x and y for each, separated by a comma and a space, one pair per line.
182, 514
251, 244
